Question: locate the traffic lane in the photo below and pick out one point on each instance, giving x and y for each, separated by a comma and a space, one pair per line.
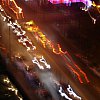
63, 45
94, 81
91, 86
92, 77
12, 39
11, 45
86, 89
49, 30
60, 66
31, 36
16, 48
89, 91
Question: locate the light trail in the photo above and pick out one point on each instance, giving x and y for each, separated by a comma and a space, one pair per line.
1, 9
11, 87
97, 7
56, 50
71, 92
83, 73
37, 62
75, 72
88, 4
71, 60
93, 19
60, 52
75, 69
63, 94
23, 39
44, 61
43, 39
41, 60
14, 7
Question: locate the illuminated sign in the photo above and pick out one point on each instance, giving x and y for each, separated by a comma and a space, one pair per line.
88, 3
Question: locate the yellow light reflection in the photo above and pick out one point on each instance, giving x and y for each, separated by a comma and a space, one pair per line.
11, 87
30, 22
30, 26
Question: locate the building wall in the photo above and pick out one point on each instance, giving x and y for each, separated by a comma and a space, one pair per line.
39, 2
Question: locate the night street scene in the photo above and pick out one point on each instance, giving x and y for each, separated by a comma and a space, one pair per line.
49, 49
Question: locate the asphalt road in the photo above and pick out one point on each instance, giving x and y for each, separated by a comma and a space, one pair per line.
87, 91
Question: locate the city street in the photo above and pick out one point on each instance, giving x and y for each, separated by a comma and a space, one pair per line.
60, 64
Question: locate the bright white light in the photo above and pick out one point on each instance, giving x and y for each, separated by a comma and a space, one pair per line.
33, 47
18, 30
63, 94
94, 20
28, 48
21, 40
10, 24
71, 92
24, 32
1, 8
44, 61
37, 62
4, 18
18, 33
